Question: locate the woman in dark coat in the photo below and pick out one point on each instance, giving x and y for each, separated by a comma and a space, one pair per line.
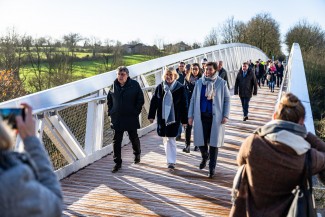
169, 102
190, 80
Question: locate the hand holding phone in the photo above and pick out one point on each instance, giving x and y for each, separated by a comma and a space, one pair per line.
9, 115
26, 127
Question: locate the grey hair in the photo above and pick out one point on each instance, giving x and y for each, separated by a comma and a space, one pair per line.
122, 69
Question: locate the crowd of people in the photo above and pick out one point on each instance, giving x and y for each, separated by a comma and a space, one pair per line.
195, 97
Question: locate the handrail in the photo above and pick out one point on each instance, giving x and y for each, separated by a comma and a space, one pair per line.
295, 82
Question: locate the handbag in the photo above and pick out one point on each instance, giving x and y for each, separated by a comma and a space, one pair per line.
303, 203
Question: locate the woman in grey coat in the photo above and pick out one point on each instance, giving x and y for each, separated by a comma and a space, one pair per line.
29, 186
209, 109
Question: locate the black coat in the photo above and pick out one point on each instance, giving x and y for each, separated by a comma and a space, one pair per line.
125, 105
261, 71
181, 78
246, 86
279, 70
223, 75
180, 107
189, 87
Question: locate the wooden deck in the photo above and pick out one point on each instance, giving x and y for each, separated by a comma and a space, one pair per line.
150, 189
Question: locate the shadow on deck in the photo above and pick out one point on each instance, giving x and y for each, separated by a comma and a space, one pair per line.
150, 189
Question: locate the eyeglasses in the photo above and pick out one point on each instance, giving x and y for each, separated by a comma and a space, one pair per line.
195, 69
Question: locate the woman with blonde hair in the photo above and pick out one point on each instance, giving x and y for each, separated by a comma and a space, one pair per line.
169, 102
274, 160
29, 186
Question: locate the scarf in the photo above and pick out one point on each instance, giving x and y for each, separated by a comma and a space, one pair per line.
286, 132
209, 82
168, 112
193, 79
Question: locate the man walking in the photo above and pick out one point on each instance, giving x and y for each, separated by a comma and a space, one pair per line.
279, 69
246, 86
259, 72
222, 73
125, 102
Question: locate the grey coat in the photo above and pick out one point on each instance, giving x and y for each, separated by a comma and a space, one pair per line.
29, 186
220, 109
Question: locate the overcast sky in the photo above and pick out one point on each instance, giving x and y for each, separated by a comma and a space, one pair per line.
147, 20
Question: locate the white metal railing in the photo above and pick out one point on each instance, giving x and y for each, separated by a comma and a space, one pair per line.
92, 91
295, 82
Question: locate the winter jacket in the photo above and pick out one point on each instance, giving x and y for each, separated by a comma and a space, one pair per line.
29, 186
125, 105
189, 87
279, 70
260, 72
181, 78
273, 169
245, 86
223, 74
180, 108
220, 109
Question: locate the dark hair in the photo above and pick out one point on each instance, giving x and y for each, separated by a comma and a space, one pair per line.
290, 109
123, 69
245, 63
213, 64
181, 62
187, 77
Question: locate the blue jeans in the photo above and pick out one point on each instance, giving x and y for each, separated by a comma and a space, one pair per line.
245, 104
271, 84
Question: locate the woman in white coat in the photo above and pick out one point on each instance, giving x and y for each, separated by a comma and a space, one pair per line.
209, 109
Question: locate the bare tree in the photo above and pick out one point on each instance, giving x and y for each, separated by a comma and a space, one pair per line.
212, 38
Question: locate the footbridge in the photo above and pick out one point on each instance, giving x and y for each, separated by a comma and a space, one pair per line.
72, 122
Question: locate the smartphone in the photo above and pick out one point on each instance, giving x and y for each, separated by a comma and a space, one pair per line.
9, 115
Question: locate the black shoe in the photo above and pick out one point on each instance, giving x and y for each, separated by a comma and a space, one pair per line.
137, 159
211, 173
203, 164
196, 148
187, 149
171, 166
116, 168
245, 118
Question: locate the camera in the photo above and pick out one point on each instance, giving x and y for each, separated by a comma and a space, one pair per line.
9, 115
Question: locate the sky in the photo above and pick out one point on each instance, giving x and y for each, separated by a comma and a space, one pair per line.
169, 21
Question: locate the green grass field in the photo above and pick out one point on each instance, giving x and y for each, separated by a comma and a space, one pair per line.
83, 69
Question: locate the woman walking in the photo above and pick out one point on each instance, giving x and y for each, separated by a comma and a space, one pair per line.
271, 76
190, 81
209, 109
274, 158
169, 101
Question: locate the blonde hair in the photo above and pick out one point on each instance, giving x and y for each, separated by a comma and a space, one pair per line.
170, 70
5, 139
290, 109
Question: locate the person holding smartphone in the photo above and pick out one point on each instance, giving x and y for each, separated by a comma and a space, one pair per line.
29, 186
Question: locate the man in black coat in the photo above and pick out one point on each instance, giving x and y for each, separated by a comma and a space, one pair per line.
246, 85
259, 72
279, 69
125, 102
222, 72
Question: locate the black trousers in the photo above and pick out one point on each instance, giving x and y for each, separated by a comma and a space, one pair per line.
188, 133
245, 105
205, 151
117, 141
279, 81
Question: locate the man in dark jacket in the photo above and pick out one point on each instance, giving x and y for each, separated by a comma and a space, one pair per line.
246, 85
279, 69
125, 102
222, 72
181, 72
259, 72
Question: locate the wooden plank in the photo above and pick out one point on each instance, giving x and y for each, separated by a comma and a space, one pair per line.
150, 189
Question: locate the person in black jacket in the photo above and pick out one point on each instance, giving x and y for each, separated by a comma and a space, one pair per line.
190, 81
279, 69
223, 73
246, 86
259, 72
181, 72
169, 101
125, 102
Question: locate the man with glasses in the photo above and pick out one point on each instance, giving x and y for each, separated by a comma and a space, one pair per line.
125, 101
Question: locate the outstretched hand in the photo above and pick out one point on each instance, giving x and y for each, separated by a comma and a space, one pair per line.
26, 128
